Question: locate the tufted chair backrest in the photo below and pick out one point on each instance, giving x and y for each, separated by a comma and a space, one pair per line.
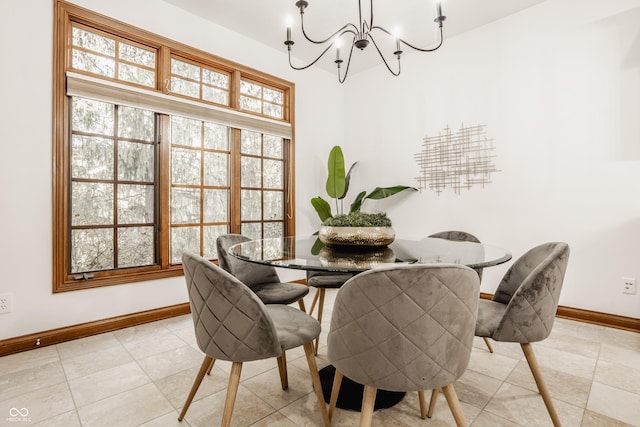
248, 273
230, 321
531, 290
405, 328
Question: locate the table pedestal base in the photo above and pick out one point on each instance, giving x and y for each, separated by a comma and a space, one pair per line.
350, 395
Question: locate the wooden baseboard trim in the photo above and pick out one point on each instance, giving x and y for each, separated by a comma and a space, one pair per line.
56, 336
594, 317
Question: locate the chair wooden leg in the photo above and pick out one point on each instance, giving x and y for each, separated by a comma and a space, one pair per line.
321, 291
454, 405
301, 304
282, 368
488, 344
232, 392
527, 349
314, 301
423, 404
368, 403
335, 390
432, 402
208, 361
211, 366
317, 386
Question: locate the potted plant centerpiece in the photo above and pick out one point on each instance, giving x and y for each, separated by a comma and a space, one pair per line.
355, 228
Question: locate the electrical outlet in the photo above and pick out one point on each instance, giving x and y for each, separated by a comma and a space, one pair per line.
629, 285
6, 303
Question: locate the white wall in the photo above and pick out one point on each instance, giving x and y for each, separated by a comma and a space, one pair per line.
558, 86
26, 162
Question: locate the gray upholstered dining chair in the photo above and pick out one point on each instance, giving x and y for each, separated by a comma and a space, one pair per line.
232, 323
261, 279
463, 236
404, 328
524, 305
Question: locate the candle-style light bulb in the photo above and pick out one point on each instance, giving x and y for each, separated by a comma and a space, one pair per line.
439, 8
288, 22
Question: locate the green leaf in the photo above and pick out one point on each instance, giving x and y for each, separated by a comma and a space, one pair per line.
357, 203
346, 182
336, 179
381, 193
322, 207
315, 249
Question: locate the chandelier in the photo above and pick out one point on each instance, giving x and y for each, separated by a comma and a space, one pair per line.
362, 35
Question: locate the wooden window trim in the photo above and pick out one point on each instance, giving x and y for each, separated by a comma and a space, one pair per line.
64, 14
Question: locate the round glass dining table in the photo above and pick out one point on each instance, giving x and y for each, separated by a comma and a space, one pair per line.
308, 253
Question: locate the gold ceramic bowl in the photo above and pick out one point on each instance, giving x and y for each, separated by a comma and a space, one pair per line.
365, 237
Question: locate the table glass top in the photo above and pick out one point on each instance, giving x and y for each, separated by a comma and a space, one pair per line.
308, 253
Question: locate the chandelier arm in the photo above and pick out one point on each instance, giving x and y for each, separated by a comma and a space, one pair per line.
346, 71
417, 48
383, 58
341, 31
314, 61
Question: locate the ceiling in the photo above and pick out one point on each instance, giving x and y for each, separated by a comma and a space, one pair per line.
265, 21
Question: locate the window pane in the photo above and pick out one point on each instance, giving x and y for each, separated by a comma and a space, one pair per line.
92, 203
92, 116
137, 55
211, 233
251, 230
135, 123
185, 69
272, 146
184, 239
216, 136
93, 41
251, 204
185, 206
91, 157
215, 79
251, 89
274, 96
141, 76
273, 205
184, 87
215, 95
216, 206
135, 246
250, 104
273, 170
185, 166
135, 161
96, 64
216, 169
251, 143
273, 229
186, 131
250, 172
135, 204
272, 110
92, 250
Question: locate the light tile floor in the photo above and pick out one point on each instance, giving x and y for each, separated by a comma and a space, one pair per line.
140, 376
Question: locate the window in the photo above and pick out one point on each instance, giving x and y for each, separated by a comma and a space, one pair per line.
157, 154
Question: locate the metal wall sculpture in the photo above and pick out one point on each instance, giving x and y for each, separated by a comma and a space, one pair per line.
456, 160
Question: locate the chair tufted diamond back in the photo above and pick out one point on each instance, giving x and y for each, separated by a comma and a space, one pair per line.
262, 279
230, 321
524, 305
404, 328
